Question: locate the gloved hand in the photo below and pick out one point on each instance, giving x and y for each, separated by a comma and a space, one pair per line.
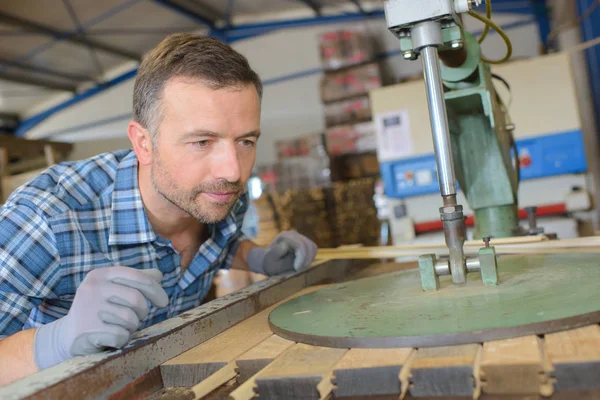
289, 251
107, 309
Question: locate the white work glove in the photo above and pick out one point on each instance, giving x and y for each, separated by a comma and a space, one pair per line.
289, 251
108, 307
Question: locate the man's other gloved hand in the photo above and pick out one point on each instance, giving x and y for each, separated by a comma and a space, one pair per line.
108, 307
289, 251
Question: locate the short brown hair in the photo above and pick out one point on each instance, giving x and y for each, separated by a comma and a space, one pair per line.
188, 56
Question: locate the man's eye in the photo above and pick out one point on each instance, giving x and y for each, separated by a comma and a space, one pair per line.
202, 143
247, 143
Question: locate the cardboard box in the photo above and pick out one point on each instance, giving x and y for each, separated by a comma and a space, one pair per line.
348, 111
345, 47
349, 139
350, 83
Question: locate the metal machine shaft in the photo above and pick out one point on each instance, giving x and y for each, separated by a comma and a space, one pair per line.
439, 121
427, 35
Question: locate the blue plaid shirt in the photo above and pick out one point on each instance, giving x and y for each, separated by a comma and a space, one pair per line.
79, 216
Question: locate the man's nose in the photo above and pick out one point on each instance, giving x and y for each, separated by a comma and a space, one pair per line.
227, 164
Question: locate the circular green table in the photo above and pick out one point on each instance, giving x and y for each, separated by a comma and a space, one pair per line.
537, 294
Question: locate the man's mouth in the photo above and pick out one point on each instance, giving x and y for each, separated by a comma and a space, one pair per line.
221, 197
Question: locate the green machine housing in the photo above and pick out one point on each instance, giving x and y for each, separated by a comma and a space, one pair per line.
483, 147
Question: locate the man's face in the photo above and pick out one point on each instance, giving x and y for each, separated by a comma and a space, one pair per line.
205, 147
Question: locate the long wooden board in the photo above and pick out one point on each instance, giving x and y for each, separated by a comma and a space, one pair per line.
369, 372
515, 366
200, 362
263, 354
525, 245
444, 371
575, 357
297, 372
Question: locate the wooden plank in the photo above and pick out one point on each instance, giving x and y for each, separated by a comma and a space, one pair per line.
297, 372
515, 366
369, 372
91, 378
200, 362
575, 357
214, 381
246, 391
536, 245
443, 371
259, 357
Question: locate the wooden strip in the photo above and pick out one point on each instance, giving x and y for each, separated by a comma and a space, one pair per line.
297, 373
566, 246
214, 381
575, 356
515, 366
443, 371
91, 378
246, 391
364, 372
404, 375
260, 356
200, 362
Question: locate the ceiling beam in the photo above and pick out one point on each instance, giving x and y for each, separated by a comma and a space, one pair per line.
313, 5
187, 12
45, 71
68, 36
359, 6
28, 80
208, 11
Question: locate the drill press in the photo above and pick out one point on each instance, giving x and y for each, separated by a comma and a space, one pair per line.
473, 145
471, 137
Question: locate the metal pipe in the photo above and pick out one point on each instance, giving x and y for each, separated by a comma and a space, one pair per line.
441, 267
439, 121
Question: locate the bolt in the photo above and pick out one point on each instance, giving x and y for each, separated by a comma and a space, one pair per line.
456, 44
409, 55
450, 209
486, 240
531, 217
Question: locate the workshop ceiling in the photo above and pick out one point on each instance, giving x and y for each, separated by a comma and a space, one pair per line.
48, 47
65, 47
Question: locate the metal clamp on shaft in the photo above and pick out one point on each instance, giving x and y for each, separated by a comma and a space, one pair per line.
431, 268
455, 234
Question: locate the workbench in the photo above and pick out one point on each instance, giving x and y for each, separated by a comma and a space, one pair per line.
226, 348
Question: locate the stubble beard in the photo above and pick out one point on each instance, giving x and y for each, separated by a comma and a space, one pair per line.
210, 212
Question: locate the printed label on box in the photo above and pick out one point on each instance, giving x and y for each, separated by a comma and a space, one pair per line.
393, 135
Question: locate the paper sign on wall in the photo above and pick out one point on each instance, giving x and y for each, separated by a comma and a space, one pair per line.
393, 135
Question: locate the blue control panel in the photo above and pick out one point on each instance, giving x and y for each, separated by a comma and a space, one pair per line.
542, 156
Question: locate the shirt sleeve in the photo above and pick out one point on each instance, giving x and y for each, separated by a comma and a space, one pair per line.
28, 261
238, 237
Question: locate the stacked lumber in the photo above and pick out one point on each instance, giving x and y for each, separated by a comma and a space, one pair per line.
268, 227
307, 211
247, 362
354, 212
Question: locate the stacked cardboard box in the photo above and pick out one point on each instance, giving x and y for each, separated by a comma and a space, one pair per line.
307, 211
354, 214
343, 213
350, 73
344, 47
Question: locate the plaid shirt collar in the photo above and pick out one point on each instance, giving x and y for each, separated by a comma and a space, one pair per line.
129, 221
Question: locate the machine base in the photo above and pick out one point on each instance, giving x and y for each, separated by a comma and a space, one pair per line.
536, 295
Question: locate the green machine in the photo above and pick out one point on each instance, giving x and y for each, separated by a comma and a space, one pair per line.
473, 143
472, 133
482, 144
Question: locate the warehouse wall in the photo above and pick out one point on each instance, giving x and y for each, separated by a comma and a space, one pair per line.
288, 62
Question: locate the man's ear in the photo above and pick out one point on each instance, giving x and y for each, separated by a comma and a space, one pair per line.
141, 141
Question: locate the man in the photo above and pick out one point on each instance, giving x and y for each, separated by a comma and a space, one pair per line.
93, 251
